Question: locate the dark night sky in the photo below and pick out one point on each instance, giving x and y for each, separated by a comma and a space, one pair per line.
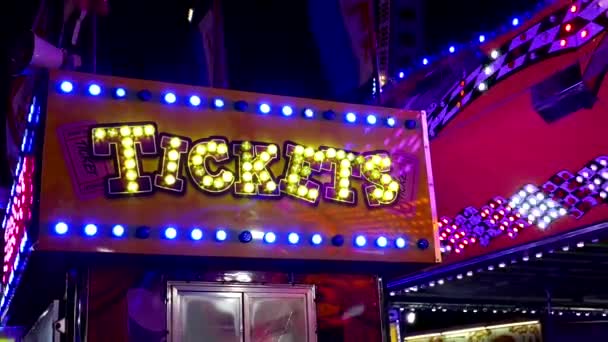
459, 21
270, 49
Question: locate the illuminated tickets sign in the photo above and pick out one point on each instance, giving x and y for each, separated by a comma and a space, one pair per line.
144, 167
251, 176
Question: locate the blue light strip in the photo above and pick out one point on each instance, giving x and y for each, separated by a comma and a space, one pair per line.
264, 108
226, 235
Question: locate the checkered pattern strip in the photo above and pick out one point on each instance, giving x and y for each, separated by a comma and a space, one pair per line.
563, 194
562, 31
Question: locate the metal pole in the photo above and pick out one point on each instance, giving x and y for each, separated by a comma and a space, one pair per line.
382, 311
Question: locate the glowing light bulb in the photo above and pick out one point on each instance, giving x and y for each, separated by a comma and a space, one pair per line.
218, 103
196, 234
494, 54
309, 113
61, 228
221, 235
287, 110
118, 230
120, 92
94, 89
194, 100
173, 155
207, 181
125, 131
343, 193
351, 117
400, 242
302, 191
316, 239
131, 175
360, 241
132, 186
264, 108
175, 142
248, 187
170, 98
293, 238
381, 242
482, 38
100, 133
222, 148
66, 87
371, 119
425, 61
197, 160
218, 183
170, 233
515, 21
390, 122
90, 229
227, 177
270, 237
149, 129
170, 179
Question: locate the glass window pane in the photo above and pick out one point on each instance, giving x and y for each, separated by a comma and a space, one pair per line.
208, 316
277, 317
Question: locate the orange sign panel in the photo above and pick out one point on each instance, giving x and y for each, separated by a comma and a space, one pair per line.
145, 167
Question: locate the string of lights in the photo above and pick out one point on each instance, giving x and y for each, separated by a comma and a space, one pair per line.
563, 194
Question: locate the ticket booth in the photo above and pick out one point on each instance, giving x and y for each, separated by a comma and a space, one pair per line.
146, 211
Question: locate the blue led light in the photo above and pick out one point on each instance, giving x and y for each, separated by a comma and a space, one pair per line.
400, 242
170, 98
425, 61
120, 92
452, 49
381, 242
196, 234
390, 122
66, 87
351, 117
401, 74
270, 237
287, 111
94, 89
316, 239
61, 228
221, 235
371, 119
515, 21
309, 113
194, 100
264, 108
218, 103
170, 233
90, 229
118, 230
293, 238
482, 38
360, 241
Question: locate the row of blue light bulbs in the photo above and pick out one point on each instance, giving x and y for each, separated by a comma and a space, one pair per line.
195, 101
221, 235
452, 49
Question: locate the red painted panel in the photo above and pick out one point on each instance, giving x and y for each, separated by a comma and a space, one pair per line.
499, 143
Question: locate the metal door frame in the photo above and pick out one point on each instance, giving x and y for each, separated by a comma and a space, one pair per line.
174, 288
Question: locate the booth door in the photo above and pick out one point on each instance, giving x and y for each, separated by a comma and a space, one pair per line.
241, 313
